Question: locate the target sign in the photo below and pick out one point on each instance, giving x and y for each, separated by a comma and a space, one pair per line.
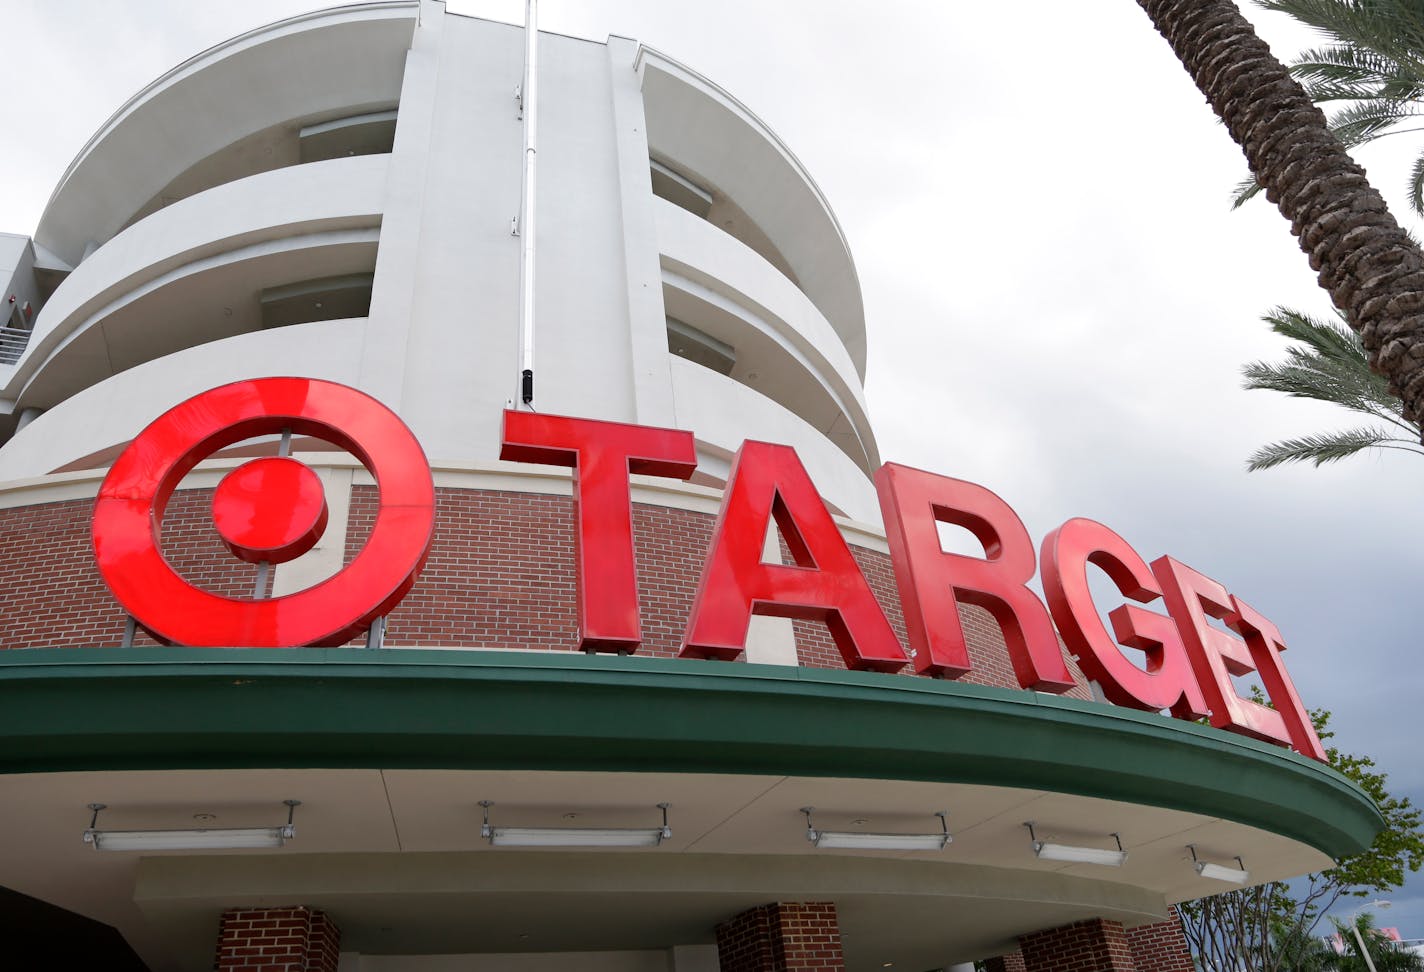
269, 510
272, 509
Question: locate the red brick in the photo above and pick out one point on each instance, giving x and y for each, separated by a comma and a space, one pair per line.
1094, 945
295, 939
1160, 947
500, 574
782, 937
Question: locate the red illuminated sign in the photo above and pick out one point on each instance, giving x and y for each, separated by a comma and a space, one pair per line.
272, 510
1217, 656
825, 585
914, 502
602, 454
1167, 681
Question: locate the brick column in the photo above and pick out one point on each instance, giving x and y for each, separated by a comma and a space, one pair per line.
1013, 962
1160, 947
782, 937
1095, 945
293, 939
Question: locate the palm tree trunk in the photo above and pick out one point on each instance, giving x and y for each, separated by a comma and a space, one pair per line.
1372, 270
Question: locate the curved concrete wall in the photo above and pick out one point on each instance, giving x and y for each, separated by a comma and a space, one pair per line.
167, 297
813, 371
703, 129
305, 69
319, 198
720, 411
114, 411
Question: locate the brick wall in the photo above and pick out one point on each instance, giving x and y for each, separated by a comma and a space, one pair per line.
782, 937
500, 573
1160, 947
1013, 962
814, 646
192, 547
324, 944
54, 597
1095, 945
294, 939
749, 942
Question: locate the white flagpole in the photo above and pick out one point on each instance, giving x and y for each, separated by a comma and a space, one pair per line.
529, 103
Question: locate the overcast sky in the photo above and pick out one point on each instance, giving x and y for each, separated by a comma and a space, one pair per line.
1059, 299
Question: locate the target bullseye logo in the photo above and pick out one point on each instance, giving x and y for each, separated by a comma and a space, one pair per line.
271, 509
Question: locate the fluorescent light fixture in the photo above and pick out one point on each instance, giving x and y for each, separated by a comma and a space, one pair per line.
571, 837
1073, 854
140, 840
574, 836
1219, 872
857, 840
193, 839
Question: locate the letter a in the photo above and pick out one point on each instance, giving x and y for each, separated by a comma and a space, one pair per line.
826, 584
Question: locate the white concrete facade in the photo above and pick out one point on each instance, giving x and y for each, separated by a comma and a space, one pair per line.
152, 266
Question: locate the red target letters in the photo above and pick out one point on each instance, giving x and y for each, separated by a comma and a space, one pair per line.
272, 510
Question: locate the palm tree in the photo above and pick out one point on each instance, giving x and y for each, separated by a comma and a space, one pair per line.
1301, 951
1373, 65
1328, 365
1370, 267
1383, 954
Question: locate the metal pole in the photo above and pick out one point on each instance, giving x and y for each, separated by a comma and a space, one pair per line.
529, 102
259, 586
1364, 952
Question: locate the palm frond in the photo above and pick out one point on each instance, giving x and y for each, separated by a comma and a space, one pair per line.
1331, 367
1389, 26
1357, 72
1350, 55
1319, 384
1366, 120
1330, 338
1245, 189
1320, 449
1326, 363
1416, 185
1324, 90
1297, 381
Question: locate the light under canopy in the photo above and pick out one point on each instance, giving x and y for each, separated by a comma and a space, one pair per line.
860, 840
574, 836
1220, 872
138, 840
198, 838
1075, 854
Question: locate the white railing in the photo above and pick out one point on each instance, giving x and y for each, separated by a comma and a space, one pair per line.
13, 341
